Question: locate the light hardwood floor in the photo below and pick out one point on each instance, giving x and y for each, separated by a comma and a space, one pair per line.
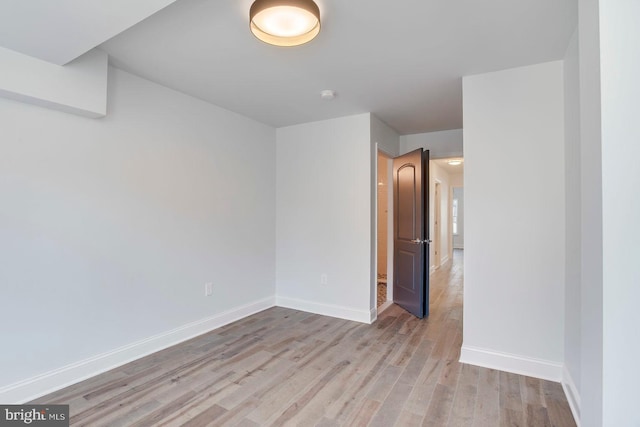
287, 367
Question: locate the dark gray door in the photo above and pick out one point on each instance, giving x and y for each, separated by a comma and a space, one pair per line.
411, 232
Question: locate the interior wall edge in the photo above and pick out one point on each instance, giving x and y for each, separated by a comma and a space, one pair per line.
79, 87
572, 393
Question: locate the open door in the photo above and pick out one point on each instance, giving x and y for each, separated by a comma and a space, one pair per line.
411, 240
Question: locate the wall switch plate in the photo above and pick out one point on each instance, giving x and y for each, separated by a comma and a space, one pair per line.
323, 279
208, 289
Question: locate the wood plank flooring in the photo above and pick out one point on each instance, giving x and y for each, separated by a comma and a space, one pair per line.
286, 367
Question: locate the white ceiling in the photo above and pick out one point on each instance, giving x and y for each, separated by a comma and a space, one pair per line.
401, 60
59, 31
451, 170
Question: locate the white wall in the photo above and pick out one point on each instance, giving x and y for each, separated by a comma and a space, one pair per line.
458, 239
514, 237
110, 228
324, 211
457, 179
573, 224
438, 174
591, 219
620, 68
79, 87
386, 138
447, 143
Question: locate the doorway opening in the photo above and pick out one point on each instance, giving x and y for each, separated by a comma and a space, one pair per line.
457, 220
384, 290
447, 226
440, 176
437, 221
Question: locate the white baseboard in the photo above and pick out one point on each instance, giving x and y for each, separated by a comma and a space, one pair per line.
373, 316
444, 260
348, 313
543, 369
573, 396
384, 306
32, 388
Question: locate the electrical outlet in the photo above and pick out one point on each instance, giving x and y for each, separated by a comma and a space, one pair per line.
323, 279
208, 289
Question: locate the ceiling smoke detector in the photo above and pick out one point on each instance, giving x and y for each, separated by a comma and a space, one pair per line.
328, 94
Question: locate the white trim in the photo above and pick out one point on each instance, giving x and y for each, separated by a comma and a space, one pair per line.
444, 260
373, 315
40, 385
348, 313
390, 248
538, 368
573, 396
384, 306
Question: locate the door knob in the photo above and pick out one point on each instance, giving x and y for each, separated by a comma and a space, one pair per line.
419, 241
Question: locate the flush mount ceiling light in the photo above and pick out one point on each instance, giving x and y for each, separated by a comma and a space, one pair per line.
455, 162
284, 22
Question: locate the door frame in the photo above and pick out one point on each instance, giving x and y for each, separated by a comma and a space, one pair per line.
389, 232
374, 285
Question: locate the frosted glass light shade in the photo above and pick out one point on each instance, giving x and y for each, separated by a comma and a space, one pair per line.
284, 22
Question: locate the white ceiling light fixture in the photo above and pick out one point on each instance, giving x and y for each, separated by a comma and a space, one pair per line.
454, 162
285, 22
